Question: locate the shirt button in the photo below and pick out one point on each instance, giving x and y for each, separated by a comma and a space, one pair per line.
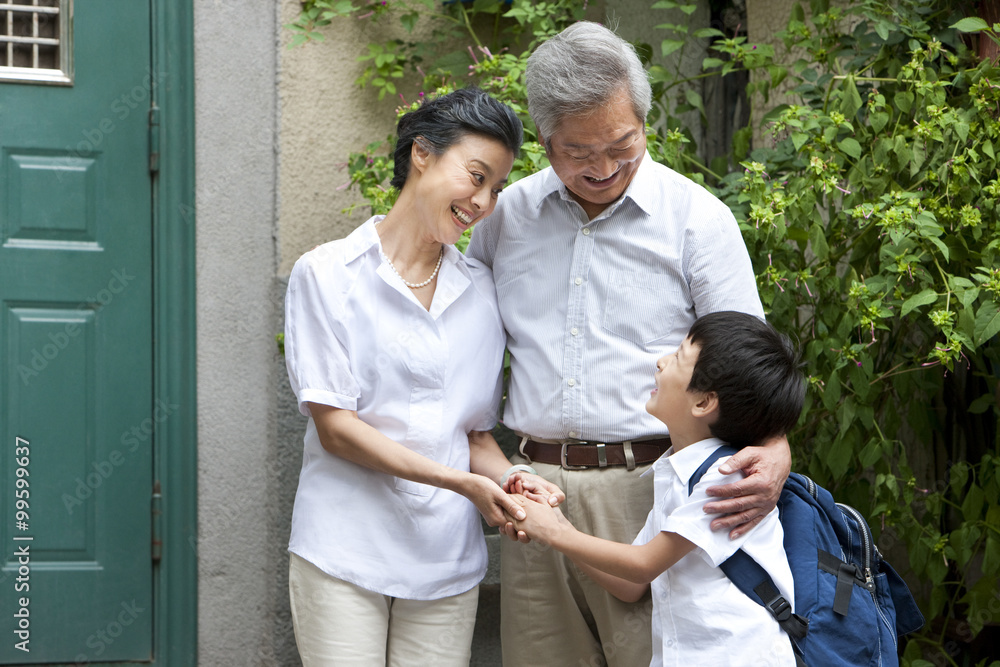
574, 331
571, 382
586, 232
579, 281
572, 434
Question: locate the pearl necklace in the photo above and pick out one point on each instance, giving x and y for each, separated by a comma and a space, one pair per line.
407, 282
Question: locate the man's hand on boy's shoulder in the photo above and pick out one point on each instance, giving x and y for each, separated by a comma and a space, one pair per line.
747, 501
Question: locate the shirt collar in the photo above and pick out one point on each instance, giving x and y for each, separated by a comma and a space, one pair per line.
362, 240
366, 238
685, 462
641, 190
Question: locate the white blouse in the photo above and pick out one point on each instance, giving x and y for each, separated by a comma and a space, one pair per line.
356, 338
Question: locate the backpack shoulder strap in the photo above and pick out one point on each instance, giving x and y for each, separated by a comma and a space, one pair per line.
724, 450
757, 584
752, 579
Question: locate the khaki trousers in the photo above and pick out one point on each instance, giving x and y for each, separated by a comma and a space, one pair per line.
553, 615
339, 624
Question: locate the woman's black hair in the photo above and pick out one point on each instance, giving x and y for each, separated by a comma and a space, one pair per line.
754, 370
442, 122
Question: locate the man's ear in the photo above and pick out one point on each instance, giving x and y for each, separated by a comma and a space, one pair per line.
546, 145
706, 407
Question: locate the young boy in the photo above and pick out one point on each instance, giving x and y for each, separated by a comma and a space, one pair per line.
734, 379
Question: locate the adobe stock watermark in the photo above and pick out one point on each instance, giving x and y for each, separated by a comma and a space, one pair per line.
130, 439
137, 98
41, 357
104, 636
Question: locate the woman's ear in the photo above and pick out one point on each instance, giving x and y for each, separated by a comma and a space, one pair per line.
419, 153
706, 407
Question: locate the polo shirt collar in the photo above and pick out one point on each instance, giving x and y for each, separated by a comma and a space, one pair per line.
685, 462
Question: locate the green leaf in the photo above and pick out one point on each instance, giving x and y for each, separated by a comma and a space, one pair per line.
838, 459
709, 63
694, 99
901, 149
991, 557
668, 46
988, 149
987, 322
845, 414
799, 140
971, 24
903, 101
882, 30
817, 237
917, 158
741, 142
945, 252
870, 454
962, 130
850, 100
972, 506
851, 146
982, 404
879, 120
831, 393
928, 296
958, 476
708, 32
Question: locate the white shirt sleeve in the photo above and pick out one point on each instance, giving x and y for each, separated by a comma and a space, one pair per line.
690, 521
719, 270
316, 355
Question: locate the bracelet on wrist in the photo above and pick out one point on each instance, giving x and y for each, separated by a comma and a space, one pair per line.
520, 467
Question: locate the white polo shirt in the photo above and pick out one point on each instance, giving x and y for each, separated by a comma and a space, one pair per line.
356, 338
699, 616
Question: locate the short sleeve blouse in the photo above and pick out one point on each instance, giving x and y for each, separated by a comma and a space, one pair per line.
357, 339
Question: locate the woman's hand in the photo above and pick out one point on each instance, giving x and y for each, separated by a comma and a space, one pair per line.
534, 487
490, 500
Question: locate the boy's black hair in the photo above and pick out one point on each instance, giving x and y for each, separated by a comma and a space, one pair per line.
754, 371
443, 121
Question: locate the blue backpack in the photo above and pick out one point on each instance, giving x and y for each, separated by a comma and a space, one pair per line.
850, 605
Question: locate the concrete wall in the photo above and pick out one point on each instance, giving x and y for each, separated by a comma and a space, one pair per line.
236, 114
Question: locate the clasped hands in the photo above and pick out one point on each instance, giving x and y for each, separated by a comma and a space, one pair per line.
741, 504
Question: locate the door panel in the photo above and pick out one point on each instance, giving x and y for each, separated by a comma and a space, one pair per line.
77, 414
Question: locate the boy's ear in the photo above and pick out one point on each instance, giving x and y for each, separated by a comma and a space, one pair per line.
706, 407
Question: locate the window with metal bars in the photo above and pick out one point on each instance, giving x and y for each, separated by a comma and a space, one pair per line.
36, 41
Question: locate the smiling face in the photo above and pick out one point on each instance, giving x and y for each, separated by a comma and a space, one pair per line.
671, 402
596, 155
459, 187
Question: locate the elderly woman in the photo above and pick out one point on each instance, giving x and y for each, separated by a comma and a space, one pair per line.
394, 349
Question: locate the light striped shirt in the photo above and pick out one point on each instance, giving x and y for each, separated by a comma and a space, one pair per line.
590, 305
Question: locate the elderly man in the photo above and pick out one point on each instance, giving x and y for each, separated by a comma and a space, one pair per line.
602, 263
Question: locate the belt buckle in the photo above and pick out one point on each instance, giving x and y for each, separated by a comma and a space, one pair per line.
562, 457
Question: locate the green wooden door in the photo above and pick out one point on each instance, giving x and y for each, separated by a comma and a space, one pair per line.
77, 411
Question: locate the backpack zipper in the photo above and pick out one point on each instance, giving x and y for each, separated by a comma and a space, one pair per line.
866, 543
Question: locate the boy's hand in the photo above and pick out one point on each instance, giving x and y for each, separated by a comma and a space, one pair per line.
542, 522
751, 498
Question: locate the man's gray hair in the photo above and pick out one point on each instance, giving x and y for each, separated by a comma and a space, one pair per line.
581, 69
